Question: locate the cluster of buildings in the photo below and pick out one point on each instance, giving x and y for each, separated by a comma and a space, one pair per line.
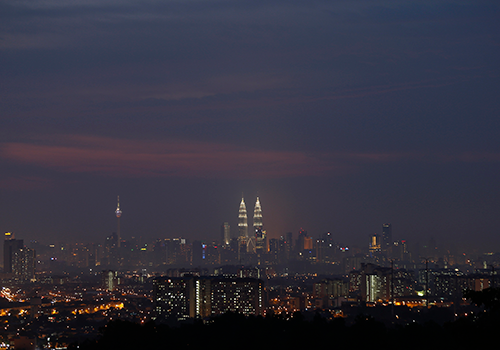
189, 294
193, 296
250, 273
253, 247
18, 260
249, 246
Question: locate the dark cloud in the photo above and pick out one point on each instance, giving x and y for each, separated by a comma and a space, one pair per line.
329, 106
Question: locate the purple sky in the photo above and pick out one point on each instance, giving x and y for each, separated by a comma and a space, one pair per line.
340, 115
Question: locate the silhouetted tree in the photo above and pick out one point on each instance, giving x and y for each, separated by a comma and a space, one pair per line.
489, 297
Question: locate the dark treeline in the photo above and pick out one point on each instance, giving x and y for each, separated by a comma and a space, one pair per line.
275, 332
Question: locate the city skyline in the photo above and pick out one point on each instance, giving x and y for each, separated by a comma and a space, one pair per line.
363, 241
340, 116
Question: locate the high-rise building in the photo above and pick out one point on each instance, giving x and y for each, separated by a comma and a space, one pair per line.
23, 264
242, 221
170, 251
375, 245
257, 215
260, 235
325, 248
193, 296
274, 251
175, 297
225, 232
373, 282
10, 246
110, 250
109, 280
289, 241
285, 248
199, 250
386, 238
241, 295
400, 251
331, 292
304, 248
242, 229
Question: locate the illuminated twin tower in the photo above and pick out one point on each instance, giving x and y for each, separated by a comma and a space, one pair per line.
251, 243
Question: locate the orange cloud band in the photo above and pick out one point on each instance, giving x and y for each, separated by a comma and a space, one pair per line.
114, 157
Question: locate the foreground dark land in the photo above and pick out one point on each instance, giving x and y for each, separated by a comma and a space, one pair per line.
273, 331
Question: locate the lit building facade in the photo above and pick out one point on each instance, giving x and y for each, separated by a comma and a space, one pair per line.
330, 292
225, 231
10, 246
174, 297
242, 295
372, 282
109, 280
193, 296
23, 264
375, 246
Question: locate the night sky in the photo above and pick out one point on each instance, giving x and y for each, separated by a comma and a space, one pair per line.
340, 115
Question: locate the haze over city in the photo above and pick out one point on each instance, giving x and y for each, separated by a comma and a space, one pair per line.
339, 115
277, 174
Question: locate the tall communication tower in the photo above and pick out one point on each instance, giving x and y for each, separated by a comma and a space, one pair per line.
118, 213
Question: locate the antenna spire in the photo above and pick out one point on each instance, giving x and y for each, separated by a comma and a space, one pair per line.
118, 212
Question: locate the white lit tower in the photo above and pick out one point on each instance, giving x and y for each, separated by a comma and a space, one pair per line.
260, 235
257, 216
118, 213
242, 227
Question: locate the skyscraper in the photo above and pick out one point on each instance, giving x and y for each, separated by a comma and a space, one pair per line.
260, 235
109, 280
23, 264
257, 215
225, 232
10, 246
242, 229
375, 245
387, 241
325, 248
242, 220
